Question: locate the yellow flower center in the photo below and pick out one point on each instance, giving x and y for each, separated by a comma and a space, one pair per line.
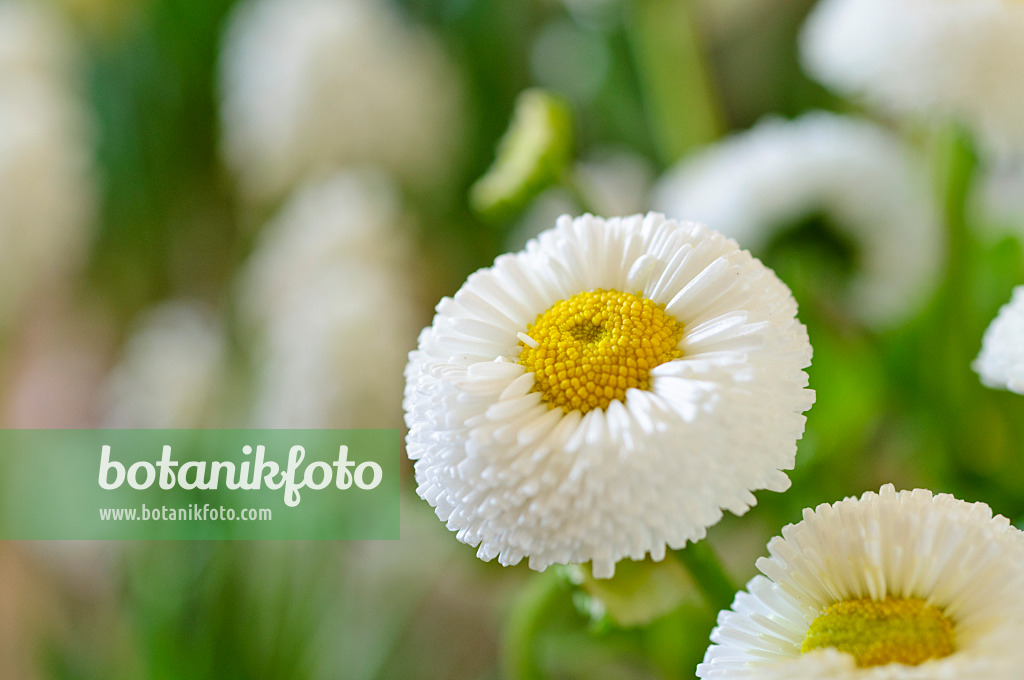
585, 352
878, 632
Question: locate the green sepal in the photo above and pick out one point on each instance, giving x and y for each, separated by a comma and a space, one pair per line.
639, 593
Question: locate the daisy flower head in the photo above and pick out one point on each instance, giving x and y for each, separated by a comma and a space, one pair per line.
904, 585
758, 184
606, 393
956, 58
1001, 361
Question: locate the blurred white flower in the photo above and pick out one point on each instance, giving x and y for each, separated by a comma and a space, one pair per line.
606, 393
962, 58
612, 181
171, 370
309, 85
1001, 361
47, 193
998, 197
759, 182
892, 586
326, 295
34, 42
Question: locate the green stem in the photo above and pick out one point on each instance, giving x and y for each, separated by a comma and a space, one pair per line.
529, 613
682, 107
955, 165
708, 574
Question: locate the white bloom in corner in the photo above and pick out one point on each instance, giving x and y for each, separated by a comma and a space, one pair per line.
326, 296
606, 393
959, 58
46, 184
171, 370
759, 182
1001, 361
314, 84
892, 586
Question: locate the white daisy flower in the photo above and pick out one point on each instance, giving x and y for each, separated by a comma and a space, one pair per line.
47, 194
606, 392
326, 295
962, 59
893, 586
1001, 361
314, 84
758, 183
170, 371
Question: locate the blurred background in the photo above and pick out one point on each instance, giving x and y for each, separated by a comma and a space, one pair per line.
240, 214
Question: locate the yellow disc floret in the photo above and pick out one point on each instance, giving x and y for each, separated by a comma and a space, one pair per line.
879, 632
586, 351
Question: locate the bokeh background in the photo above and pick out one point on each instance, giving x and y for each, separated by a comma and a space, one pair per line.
240, 214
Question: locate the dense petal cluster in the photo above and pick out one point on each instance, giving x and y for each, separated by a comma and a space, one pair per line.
760, 182
940, 561
960, 58
1001, 361
325, 294
518, 476
314, 84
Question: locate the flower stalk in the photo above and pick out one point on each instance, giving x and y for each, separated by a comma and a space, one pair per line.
709, 575
682, 107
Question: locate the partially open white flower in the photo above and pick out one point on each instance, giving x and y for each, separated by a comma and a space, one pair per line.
310, 85
891, 586
326, 297
1001, 361
959, 58
46, 184
606, 392
170, 372
758, 183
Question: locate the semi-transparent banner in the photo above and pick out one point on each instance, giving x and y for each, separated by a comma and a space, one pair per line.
199, 484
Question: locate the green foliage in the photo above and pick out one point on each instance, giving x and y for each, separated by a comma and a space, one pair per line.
532, 156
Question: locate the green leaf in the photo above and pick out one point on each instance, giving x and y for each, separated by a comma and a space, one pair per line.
532, 156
